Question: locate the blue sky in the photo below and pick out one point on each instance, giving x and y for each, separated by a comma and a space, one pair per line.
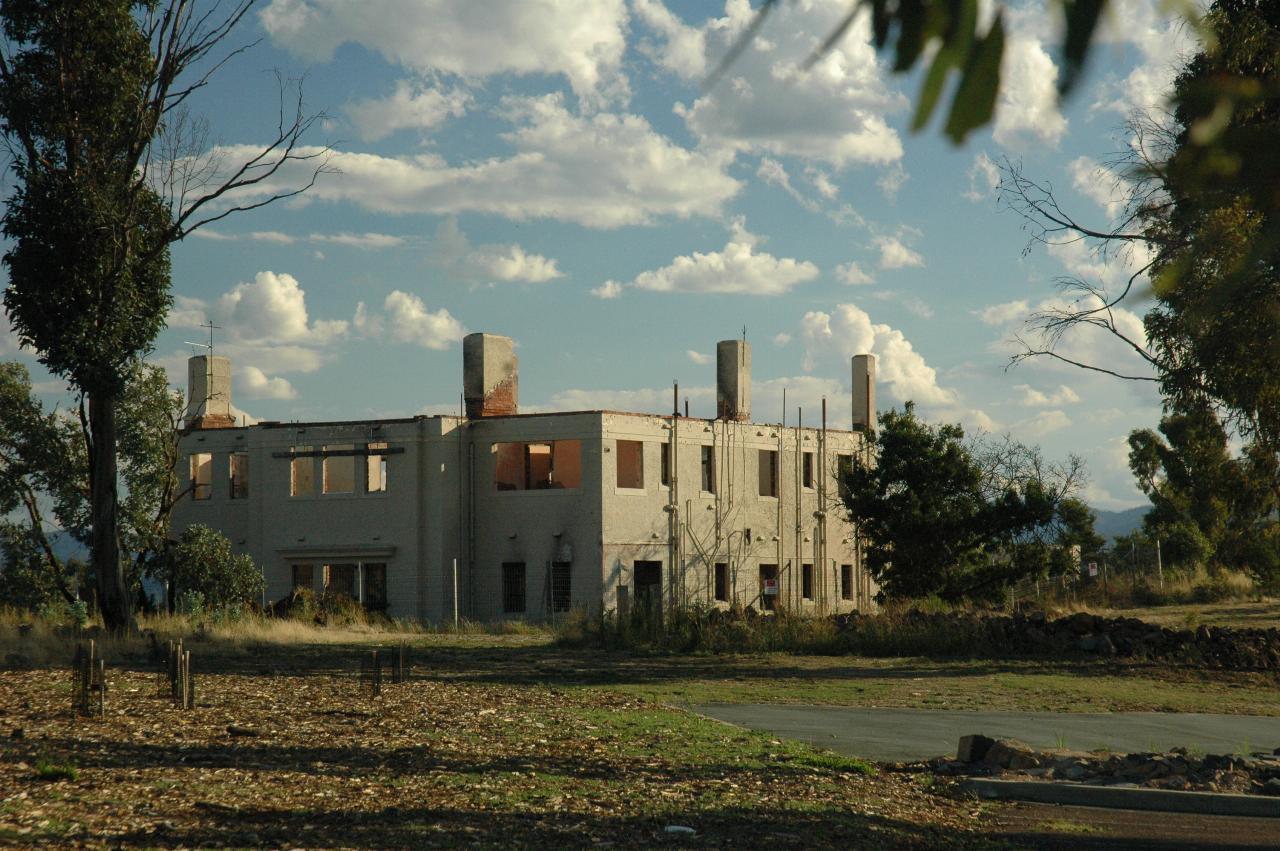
553, 171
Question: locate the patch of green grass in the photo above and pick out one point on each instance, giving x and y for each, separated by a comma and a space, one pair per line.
47, 769
1068, 826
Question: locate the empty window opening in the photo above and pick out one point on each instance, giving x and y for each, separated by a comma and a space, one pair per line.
709, 469
806, 581
722, 582
545, 465
373, 587
561, 586
846, 582
768, 472
201, 475
240, 475
647, 579
340, 579
768, 586
304, 576
376, 469
630, 464
513, 587
666, 464
340, 470
806, 470
302, 473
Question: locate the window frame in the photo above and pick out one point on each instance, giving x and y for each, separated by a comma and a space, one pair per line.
239, 486
509, 592
772, 467
198, 487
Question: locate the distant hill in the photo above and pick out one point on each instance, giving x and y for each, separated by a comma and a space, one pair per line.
1113, 523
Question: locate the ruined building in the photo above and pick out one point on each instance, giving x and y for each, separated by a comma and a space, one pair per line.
502, 514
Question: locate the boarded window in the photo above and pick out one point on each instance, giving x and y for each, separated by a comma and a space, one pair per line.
768, 586
302, 473
666, 463
240, 475
806, 581
341, 579
561, 586
806, 470
630, 455
374, 578
544, 465
846, 582
513, 587
201, 475
709, 469
376, 469
304, 576
340, 470
722, 582
768, 472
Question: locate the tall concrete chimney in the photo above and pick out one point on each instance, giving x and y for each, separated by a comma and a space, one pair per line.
490, 383
864, 392
209, 392
733, 380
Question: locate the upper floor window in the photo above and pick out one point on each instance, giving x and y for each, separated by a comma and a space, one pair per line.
201, 475
630, 455
768, 472
549, 465
340, 469
302, 473
709, 469
806, 470
376, 469
666, 463
239, 475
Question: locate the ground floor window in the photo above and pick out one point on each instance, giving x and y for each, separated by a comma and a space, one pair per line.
768, 587
722, 582
304, 576
647, 579
846, 582
561, 586
363, 582
513, 587
806, 581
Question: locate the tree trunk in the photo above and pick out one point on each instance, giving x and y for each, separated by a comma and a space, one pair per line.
104, 547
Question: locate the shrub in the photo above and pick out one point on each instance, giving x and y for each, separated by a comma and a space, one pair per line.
203, 563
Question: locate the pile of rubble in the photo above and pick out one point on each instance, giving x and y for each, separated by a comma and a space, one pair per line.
1036, 634
1009, 759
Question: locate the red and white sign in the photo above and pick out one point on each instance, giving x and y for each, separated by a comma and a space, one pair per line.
771, 587
1093, 568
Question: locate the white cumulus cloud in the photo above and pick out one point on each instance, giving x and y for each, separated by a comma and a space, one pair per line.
698, 357
895, 255
256, 384
1033, 398
489, 263
1027, 111
406, 319
852, 274
738, 268
412, 106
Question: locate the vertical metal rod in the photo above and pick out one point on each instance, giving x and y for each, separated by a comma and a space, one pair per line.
455, 595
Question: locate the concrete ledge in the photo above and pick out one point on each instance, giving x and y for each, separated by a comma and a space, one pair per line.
1164, 800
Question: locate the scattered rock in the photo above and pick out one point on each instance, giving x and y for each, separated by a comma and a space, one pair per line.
1011, 754
974, 748
680, 829
235, 730
18, 733
1271, 787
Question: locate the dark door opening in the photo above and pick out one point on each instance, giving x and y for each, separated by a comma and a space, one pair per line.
648, 585
768, 587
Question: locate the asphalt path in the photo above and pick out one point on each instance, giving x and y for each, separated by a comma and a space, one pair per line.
903, 735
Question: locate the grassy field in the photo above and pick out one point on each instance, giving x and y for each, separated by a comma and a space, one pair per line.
1258, 614
509, 739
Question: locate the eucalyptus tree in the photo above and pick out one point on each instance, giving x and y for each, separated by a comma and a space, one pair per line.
109, 169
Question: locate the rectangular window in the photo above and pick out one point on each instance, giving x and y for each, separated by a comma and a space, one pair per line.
722, 582
768, 586
846, 582
513, 587
341, 579
806, 581
630, 464
376, 469
844, 468
666, 463
709, 469
374, 577
646, 576
561, 586
768, 472
340, 470
239, 475
201, 475
302, 473
544, 465
806, 470
304, 576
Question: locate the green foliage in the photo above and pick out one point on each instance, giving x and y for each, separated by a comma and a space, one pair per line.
1207, 507
51, 770
961, 521
202, 563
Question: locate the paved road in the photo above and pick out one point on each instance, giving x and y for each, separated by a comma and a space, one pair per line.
900, 735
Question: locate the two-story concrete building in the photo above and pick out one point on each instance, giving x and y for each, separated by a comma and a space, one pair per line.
498, 514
